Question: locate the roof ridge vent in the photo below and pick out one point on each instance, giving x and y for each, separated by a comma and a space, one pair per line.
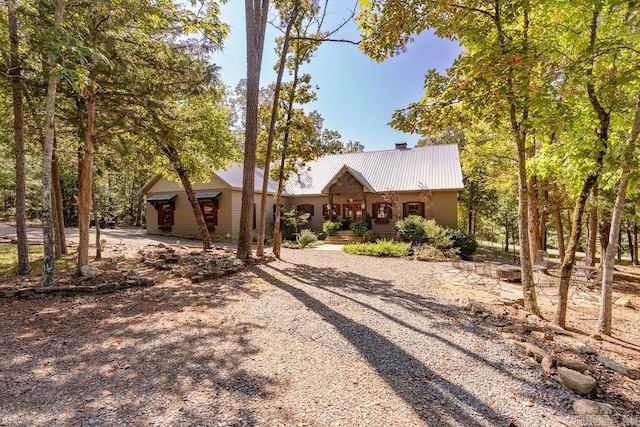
401, 145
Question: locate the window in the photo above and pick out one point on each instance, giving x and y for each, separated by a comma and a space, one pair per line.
335, 210
209, 209
413, 208
165, 214
303, 209
274, 211
382, 212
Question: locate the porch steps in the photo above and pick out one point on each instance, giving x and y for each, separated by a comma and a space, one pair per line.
343, 237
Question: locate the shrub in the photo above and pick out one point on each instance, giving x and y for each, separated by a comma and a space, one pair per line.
358, 228
379, 248
465, 242
307, 237
417, 230
426, 252
331, 227
411, 229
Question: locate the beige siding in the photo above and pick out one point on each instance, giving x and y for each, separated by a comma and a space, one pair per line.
444, 209
316, 221
184, 218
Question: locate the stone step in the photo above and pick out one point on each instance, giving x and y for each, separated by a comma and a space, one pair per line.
341, 239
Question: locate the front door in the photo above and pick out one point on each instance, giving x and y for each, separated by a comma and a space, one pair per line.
352, 212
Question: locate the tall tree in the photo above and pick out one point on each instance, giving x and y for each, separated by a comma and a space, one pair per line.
256, 21
629, 160
48, 269
262, 220
15, 73
497, 77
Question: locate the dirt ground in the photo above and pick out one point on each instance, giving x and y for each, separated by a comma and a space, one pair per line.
174, 300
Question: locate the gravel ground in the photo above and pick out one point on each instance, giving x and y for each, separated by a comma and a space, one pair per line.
319, 338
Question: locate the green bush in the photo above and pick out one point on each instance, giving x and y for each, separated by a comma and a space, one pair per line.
465, 242
358, 228
418, 230
331, 227
307, 237
411, 229
379, 248
426, 252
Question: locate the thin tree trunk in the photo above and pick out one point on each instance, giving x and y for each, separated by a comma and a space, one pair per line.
256, 20
634, 247
592, 228
568, 261
85, 180
277, 234
604, 319
172, 154
528, 286
535, 238
272, 130
557, 214
17, 86
48, 268
195, 206
56, 198
96, 223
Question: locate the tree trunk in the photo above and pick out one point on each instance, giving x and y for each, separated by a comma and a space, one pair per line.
195, 206
576, 223
96, 223
48, 268
535, 237
85, 180
568, 261
592, 229
172, 154
605, 318
56, 198
17, 87
557, 213
526, 266
256, 21
272, 129
634, 247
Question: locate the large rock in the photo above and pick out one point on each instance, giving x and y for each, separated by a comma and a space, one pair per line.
589, 407
575, 381
549, 364
614, 366
89, 271
536, 352
575, 365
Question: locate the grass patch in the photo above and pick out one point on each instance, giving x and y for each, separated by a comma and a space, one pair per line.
380, 248
9, 260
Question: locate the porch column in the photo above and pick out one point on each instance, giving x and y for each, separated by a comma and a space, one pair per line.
331, 204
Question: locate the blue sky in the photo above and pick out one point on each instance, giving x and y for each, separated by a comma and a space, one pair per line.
356, 95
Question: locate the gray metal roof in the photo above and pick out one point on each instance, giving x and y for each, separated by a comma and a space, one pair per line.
207, 194
233, 177
435, 167
161, 197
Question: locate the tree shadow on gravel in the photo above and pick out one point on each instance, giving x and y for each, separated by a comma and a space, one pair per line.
158, 355
433, 397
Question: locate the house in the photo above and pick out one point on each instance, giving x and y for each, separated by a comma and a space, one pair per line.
355, 187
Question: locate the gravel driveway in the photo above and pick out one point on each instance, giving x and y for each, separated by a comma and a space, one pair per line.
319, 338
